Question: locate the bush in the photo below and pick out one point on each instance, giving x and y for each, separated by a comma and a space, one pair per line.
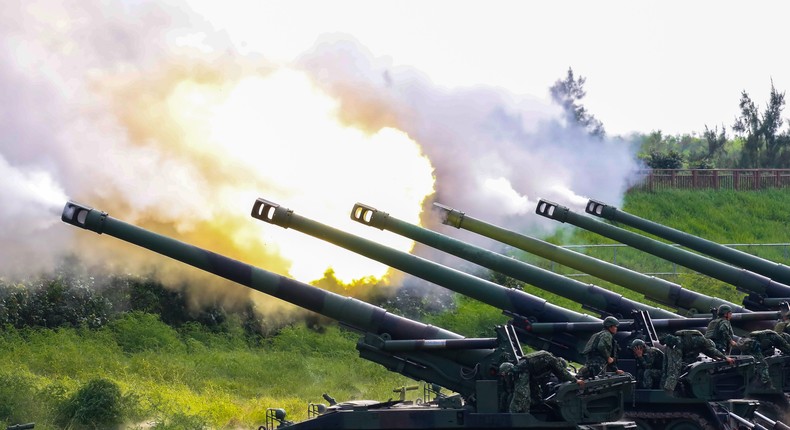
138, 331
98, 404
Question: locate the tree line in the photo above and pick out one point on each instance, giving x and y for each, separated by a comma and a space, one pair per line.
760, 136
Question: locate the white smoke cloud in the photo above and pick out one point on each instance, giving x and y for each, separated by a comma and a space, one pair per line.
494, 153
111, 105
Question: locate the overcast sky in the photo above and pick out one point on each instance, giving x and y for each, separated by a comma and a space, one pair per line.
674, 66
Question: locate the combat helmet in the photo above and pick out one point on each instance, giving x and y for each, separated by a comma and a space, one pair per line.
506, 368
723, 309
638, 343
610, 322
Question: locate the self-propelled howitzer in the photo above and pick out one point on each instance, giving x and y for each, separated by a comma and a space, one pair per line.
465, 366
525, 308
757, 286
771, 269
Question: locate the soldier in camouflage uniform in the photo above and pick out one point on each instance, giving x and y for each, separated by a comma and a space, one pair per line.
649, 364
600, 352
783, 326
761, 344
683, 348
526, 378
720, 330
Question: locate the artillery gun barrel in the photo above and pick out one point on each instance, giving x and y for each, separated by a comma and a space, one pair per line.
355, 313
519, 304
657, 289
743, 280
509, 299
593, 297
773, 270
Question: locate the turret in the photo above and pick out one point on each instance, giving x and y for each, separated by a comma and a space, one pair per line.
773, 270
758, 286
423, 352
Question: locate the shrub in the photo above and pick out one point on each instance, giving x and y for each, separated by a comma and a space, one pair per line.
98, 404
138, 331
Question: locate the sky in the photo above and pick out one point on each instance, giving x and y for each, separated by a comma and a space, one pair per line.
175, 116
673, 66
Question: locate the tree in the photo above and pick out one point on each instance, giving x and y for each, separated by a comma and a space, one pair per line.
664, 160
716, 141
763, 144
568, 94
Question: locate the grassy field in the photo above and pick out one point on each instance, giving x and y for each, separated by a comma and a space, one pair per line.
193, 378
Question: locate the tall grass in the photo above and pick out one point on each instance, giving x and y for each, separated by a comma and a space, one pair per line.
201, 380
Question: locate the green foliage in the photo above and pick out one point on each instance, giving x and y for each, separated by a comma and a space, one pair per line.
53, 302
470, 318
180, 421
97, 405
138, 331
664, 160
16, 395
568, 93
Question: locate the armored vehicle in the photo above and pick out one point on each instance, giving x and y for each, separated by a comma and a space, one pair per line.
543, 326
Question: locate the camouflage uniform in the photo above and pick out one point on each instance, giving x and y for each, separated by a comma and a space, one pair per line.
683, 349
783, 329
649, 367
527, 375
720, 332
542, 366
761, 344
599, 348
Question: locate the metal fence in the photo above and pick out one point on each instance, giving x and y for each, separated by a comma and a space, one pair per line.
716, 179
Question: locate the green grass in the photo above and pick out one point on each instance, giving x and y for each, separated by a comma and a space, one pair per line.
186, 380
192, 378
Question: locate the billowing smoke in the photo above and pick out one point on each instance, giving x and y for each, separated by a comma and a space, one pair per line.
494, 153
146, 112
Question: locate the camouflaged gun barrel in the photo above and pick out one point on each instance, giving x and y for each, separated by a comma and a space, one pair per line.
773, 270
592, 297
509, 299
758, 286
687, 302
519, 304
352, 312
657, 289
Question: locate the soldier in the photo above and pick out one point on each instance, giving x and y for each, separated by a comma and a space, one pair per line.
649, 364
682, 349
600, 353
720, 330
525, 379
509, 379
761, 344
783, 326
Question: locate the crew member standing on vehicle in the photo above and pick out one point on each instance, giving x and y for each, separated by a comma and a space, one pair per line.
720, 330
600, 353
